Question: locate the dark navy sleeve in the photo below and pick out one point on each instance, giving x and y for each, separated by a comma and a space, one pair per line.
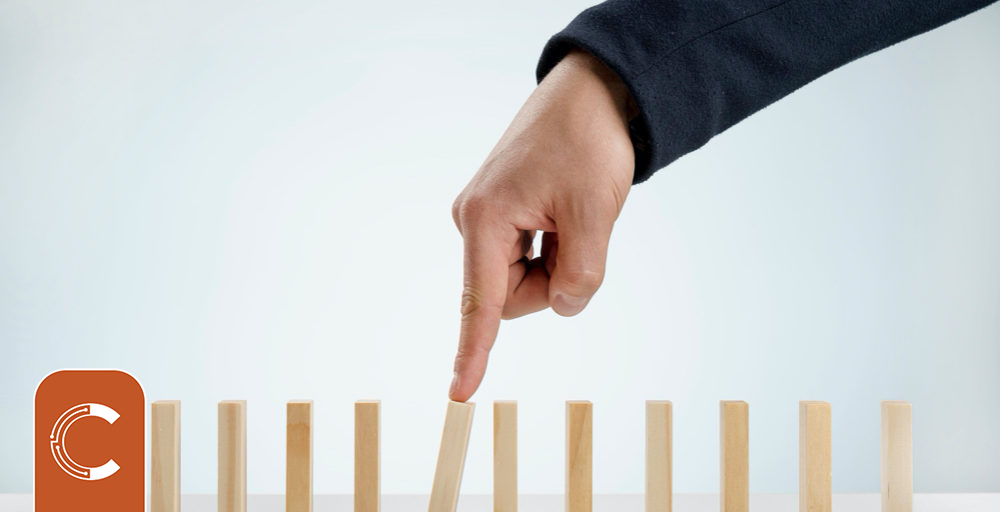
696, 67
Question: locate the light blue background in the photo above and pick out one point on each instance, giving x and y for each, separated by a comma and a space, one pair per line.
242, 200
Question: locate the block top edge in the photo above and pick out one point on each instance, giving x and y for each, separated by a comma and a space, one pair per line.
895, 402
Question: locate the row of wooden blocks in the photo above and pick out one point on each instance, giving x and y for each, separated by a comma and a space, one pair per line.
814, 456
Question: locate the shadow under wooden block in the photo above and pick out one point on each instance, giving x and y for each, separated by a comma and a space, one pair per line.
451, 457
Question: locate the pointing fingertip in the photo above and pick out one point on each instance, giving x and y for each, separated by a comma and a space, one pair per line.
453, 393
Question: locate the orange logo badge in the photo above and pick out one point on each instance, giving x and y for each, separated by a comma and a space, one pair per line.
89, 442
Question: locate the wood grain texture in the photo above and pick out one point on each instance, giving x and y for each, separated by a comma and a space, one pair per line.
504, 456
897, 457
579, 456
659, 455
299, 456
232, 456
734, 463
367, 485
815, 491
451, 457
165, 457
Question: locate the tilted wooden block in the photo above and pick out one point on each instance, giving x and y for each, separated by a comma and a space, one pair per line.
451, 457
579, 456
232, 456
165, 457
734, 455
815, 491
897, 457
299, 456
505, 456
367, 493
659, 455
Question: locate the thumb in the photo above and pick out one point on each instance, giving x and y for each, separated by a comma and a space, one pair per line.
580, 259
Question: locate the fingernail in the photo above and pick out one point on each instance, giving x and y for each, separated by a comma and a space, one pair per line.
454, 385
568, 305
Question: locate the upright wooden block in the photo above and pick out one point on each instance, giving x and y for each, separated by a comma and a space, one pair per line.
366, 456
815, 492
232, 456
659, 456
165, 457
504, 456
579, 456
299, 456
451, 457
734, 455
897, 457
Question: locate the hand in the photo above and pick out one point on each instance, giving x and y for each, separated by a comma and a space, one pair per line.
564, 166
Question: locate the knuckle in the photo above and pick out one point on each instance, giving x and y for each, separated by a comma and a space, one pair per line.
455, 207
473, 303
473, 208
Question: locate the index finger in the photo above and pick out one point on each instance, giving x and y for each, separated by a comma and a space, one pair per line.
484, 291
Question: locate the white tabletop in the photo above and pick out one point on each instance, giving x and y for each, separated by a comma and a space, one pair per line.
550, 503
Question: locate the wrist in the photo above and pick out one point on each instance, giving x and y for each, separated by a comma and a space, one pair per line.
592, 69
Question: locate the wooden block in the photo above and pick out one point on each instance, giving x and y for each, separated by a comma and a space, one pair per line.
451, 457
504, 456
897, 457
165, 457
734, 455
367, 493
815, 491
232, 456
299, 456
579, 456
659, 455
